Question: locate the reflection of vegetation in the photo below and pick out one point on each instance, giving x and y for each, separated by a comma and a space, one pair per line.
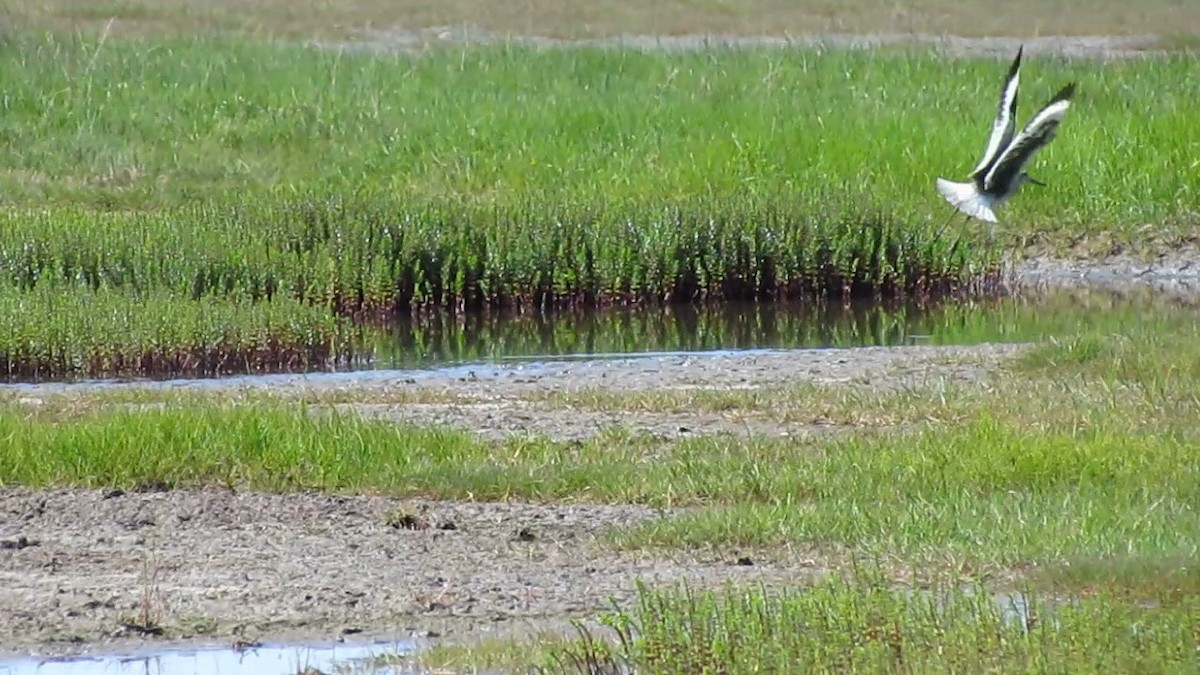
687, 328
445, 338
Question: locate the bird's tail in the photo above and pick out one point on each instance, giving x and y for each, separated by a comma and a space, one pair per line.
966, 198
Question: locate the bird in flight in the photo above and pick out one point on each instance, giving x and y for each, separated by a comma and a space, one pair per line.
1001, 171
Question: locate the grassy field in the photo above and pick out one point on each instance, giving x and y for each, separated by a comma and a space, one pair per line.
1065, 445
132, 125
172, 169
1070, 483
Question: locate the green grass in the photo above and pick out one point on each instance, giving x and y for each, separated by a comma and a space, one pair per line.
1085, 452
505, 176
205, 205
959, 495
56, 332
261, 446
368, 254
1165, 580
851, 623
149, 123
854, 626
358, 260
272, 445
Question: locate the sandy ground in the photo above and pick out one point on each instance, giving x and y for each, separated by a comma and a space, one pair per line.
1081, 46
86, 570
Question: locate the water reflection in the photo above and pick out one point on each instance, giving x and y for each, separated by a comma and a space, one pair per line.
450, 342
452, 339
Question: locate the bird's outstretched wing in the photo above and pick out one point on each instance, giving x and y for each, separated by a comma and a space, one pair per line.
1006, 119
1034, 137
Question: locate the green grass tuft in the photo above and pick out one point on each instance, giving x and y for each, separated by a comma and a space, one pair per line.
847, 626
990, 492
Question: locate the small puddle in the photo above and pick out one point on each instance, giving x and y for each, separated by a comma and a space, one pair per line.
263, 660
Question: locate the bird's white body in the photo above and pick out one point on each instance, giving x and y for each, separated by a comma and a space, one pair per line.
1000, 173
967, 198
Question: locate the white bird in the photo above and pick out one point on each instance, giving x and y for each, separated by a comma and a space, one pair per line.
1000, 173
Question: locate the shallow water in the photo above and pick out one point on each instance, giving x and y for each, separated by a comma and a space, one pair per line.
447, 340
460, 346
263, 660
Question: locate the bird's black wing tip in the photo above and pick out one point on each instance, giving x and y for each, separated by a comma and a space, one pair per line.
1065, 93
1016, 64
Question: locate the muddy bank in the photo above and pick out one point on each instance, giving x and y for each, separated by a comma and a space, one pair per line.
532, 397
84, 569
1173, 272
496, 401
877, 367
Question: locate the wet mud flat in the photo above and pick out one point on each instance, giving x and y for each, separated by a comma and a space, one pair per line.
92, 570
1174, 272
87, 570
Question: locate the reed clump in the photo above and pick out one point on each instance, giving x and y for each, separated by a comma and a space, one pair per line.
359, 256
51, 332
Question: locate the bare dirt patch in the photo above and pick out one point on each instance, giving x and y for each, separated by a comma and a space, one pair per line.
115, 569
606, 18
498, 420
1102, 47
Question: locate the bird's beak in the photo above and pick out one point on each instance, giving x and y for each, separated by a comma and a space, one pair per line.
1036, 181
